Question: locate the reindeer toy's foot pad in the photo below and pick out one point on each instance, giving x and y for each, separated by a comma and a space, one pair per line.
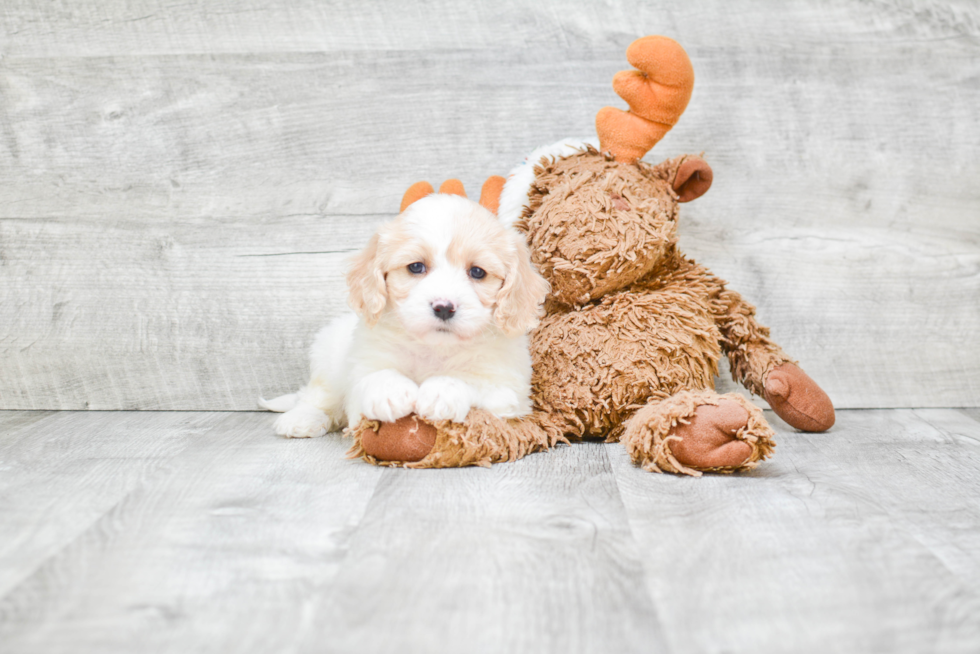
708, 438
408, 439
695, 431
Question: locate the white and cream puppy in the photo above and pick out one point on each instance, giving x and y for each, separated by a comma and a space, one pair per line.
443, 296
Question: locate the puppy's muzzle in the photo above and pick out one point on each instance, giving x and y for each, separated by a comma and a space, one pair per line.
443, 309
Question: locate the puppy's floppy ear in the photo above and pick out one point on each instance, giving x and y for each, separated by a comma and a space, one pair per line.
366, 282
524, 290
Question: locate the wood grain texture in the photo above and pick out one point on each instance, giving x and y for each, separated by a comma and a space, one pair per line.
14, 420
65, 471
202, 532
530, 557
143, 27
167, 317
226, 536
862, 539
972, 413
148, 150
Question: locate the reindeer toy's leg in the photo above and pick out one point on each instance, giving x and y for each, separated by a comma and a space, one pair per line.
695, 431
481, 440
762, 367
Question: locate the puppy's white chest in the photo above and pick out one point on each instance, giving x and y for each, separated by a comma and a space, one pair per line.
420, 365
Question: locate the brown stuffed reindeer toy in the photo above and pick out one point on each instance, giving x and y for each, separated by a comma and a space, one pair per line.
633, 331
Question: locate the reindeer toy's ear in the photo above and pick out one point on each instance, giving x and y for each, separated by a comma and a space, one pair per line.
692, 179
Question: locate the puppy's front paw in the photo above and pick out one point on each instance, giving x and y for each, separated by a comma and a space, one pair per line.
504, 402
389, 398
303, 421
444, 398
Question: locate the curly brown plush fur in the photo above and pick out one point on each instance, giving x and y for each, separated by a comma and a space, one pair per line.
588, 224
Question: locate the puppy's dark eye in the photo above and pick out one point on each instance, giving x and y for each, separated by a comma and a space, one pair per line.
416, 268
477, 273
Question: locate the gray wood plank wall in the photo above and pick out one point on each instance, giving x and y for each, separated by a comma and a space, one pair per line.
181, 183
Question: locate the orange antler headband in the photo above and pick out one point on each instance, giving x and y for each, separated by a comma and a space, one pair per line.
657, 94
489, 195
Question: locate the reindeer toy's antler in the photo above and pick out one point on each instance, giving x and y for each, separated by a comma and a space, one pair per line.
657, 94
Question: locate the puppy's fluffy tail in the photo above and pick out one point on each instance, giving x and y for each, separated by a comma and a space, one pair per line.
280, 404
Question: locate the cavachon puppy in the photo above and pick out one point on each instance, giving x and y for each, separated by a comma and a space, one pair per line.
443, 298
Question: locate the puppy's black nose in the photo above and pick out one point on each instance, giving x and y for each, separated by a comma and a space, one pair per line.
443, 309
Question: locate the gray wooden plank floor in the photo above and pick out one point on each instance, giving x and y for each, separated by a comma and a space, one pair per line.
202, 532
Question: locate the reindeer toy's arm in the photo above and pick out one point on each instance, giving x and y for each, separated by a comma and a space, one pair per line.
658, 93
762, 367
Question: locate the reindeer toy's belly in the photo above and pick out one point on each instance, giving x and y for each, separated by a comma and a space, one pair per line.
595, 367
